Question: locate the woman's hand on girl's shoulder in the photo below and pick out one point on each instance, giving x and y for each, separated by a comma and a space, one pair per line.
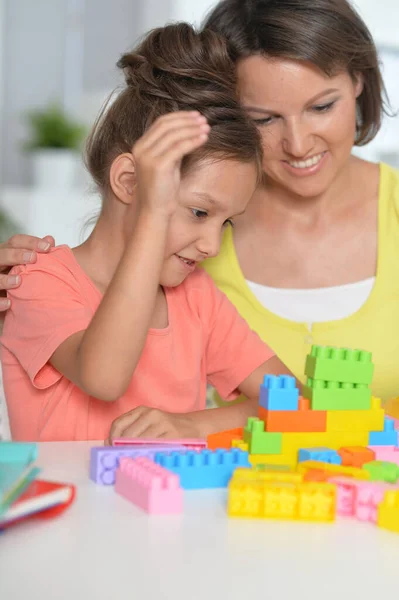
19, 250
158, 155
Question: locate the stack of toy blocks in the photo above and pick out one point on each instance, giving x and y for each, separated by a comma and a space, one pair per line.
337, 413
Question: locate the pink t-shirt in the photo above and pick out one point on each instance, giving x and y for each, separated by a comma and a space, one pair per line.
206, 339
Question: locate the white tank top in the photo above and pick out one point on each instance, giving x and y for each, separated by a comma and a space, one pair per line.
314, 305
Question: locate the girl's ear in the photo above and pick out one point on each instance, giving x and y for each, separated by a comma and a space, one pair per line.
122, 178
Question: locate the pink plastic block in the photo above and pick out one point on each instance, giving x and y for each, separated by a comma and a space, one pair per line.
187, 443
149, 486
359, 499
386, 453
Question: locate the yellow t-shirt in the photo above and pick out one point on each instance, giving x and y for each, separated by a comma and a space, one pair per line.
374, 327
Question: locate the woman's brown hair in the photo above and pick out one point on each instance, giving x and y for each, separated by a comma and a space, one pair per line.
174, 68
328, 33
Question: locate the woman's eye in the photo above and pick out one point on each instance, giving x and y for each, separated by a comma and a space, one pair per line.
265, 121
199, 214
323, 107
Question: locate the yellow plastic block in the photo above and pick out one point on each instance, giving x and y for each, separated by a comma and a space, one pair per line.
388, 512
392, 408
336, 470
267, 475
239, 444
357, 420
292, 442
282, 500
273, 459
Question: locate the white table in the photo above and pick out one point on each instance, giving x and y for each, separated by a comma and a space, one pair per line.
104, 548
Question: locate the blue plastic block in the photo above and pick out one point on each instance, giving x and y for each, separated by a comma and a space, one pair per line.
321, 454
388, 437
279, 393
204, 469
104, 460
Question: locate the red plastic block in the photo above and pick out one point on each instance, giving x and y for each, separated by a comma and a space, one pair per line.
356, 456
149, 486
223, 439
294, 420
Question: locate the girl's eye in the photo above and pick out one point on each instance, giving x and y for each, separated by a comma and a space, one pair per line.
199, 214
323, 107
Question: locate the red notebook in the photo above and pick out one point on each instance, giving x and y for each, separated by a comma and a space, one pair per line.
41, 498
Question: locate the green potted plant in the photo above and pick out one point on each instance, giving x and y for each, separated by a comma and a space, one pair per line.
55, 140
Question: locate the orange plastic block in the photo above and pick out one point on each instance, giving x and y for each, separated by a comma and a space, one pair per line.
223, 439
356, 456
331, 470
293, 420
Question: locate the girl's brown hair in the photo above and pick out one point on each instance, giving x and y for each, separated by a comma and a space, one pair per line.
174, 68
328, 33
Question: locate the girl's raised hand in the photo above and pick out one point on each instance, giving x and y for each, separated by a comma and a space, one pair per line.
158, 155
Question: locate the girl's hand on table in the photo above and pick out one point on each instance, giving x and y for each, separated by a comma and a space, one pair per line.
144, 422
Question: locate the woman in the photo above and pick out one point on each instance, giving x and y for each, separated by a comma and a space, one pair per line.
314, 259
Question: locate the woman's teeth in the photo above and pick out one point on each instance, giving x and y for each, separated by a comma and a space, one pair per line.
305, 164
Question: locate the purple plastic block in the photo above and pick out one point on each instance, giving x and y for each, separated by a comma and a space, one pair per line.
104, 460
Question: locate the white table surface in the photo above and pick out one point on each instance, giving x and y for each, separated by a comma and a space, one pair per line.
104, 548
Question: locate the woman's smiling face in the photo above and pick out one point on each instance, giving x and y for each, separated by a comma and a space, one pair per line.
307, 120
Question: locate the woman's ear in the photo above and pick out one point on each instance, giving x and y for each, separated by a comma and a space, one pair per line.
359, 84
122, 178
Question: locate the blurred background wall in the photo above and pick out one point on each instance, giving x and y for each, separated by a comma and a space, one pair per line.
64, 51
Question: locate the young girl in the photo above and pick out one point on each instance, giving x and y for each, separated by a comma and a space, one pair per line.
124, 330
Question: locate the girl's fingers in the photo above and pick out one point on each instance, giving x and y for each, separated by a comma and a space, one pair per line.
174, 136
124, 421
182, 148
173, 121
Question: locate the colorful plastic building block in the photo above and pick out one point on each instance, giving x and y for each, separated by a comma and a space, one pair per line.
268, 474
204, 469
319, 454
388, 437
189, 443
359, 499
339, 364
331, 395
104, 460
327, 470
380, 470
357, 420
260, 441
279, 393
223, 439
281, 500
387, 453
388, 512
149, 486
294, 420
356, 456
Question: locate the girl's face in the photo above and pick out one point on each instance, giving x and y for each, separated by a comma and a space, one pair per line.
211, 195
307, 121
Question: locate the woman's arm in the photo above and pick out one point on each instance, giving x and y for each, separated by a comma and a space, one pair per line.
101, 360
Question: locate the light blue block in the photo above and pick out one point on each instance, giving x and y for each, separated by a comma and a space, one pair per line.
205, 469
388, 437
279, 393
320, 454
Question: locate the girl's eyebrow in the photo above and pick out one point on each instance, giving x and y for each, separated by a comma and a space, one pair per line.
205, 197
271, 112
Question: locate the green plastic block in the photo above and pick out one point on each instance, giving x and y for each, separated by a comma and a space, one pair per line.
330, 395
260, 441
382, 471
339, 364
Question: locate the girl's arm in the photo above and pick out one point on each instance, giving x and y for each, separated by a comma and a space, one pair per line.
119, 328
